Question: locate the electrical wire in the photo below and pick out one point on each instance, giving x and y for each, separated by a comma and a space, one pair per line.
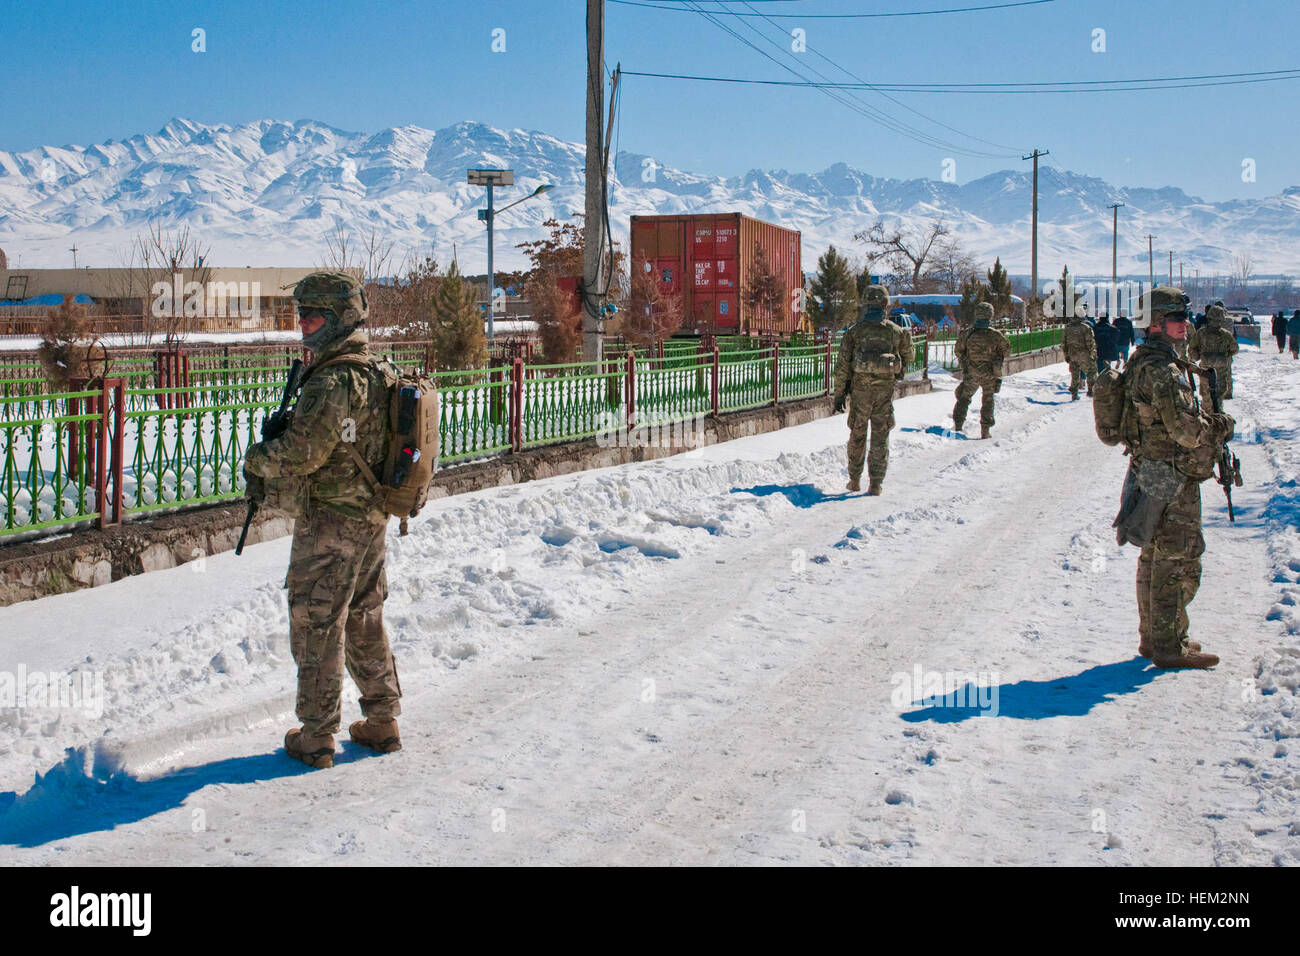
844, 16
1157, 83
1011, 150
863, 109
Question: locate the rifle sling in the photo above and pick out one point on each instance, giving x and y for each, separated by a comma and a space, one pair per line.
359, 360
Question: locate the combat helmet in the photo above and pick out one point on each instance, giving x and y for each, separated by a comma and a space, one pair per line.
1160, 302
983, 314
342, 299
876, 298
1216, 317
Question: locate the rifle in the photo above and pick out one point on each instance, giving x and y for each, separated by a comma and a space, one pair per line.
273, 427
1229, 464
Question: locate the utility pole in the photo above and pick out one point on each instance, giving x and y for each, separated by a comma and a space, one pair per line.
1033, 255
1151, 273
593, 247
1171, 267
1114, 256
73, 250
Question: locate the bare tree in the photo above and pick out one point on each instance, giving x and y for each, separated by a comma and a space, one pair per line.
950, 265
1243, 269
165, 275
906, 249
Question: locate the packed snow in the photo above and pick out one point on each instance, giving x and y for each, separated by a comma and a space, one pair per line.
720, 657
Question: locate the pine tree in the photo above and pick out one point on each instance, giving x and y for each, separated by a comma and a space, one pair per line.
973, 292
833, 303
458, 339
1000, 290
763, 296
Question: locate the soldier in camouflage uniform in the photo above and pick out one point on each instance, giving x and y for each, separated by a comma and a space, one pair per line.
1214, 346
1173, 444
980, 355
337, 582
1080, 346
873, 355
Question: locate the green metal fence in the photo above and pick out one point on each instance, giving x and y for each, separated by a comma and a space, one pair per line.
185, 445
46, 476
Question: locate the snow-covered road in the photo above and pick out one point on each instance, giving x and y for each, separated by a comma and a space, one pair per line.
713, 659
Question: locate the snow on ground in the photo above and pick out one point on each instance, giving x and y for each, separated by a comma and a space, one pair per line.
713, 659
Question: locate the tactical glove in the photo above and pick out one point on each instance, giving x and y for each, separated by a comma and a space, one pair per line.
254, 487
1224, 425
840, 401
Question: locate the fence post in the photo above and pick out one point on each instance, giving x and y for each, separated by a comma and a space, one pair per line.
830, 346
185, 377
925, 360
517, 405
629, 390
715, 384
776, 373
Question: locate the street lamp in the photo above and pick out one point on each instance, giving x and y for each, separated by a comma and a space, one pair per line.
492, 178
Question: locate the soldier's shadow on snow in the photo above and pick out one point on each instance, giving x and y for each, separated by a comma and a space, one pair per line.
936, 430
69, 801
801, 496
1072, 696
1037, 401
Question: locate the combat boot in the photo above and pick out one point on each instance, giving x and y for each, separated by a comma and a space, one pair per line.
958, 424
854, 485
874, 487
1144, 650
1074, 396
1188, 659
984, 431
313, 751
379, 735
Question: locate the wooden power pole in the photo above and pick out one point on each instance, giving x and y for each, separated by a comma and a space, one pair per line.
594, 266
1151, 269
1114, 256
1033, 254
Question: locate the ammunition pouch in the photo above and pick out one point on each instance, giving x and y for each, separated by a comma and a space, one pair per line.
287, 496
1148, 490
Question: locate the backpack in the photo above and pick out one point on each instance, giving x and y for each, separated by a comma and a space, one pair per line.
874, 357
413, 440
1109, 398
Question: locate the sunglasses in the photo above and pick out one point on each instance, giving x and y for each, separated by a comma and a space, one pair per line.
312, 314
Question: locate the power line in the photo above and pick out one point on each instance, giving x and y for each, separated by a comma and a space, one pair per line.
898, 102
1165, 83
863, 109
842, 16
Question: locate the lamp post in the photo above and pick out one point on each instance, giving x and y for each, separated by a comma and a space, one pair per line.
491, 178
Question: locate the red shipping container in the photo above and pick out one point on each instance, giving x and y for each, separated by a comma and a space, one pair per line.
717, 251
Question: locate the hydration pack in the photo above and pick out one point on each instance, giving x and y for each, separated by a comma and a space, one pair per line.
403, 487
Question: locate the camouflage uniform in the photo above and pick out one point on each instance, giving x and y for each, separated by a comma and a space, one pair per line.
873, 355
336, 581
1214, 346
980, 356
1081, 352
1170, 437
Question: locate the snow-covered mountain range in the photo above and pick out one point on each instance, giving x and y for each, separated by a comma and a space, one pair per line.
267, 193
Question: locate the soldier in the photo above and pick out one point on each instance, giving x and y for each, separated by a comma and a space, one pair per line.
1173, 445
980, 354
1080, 348
873, 355
1214, 346
337, 583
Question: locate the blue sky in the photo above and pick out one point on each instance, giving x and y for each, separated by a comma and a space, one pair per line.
86, 72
